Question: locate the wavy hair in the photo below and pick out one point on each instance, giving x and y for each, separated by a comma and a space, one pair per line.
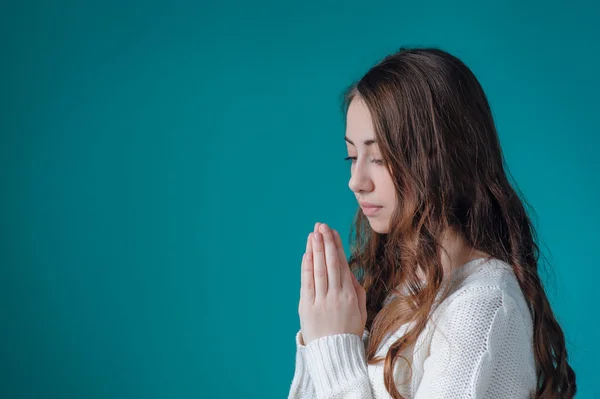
438, 139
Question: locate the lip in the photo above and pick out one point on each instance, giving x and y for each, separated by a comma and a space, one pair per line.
370, 210
368, 205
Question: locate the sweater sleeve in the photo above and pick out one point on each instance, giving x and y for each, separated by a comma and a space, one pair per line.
478, 349
331, 367
301, 386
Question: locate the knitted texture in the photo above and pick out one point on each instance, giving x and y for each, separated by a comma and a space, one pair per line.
477, 344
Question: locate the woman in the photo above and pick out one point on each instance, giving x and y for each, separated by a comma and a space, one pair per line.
449, 302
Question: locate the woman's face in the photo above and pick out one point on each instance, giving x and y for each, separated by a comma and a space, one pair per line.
370, 179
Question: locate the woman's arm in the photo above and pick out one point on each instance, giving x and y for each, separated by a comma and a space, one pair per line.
319, 356
481, 348
301, 386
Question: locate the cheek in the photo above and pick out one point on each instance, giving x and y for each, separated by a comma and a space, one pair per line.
387, 188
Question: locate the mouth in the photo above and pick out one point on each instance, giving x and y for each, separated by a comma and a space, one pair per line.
370, 210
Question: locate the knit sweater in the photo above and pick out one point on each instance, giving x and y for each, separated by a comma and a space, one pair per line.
477, 344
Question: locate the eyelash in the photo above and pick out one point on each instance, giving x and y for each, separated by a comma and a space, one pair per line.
377, 161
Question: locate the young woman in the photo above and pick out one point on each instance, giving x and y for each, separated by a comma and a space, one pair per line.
449, 302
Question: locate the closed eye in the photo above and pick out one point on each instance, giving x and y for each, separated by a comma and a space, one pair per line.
376, 161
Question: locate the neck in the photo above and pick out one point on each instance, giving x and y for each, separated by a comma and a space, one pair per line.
455, 253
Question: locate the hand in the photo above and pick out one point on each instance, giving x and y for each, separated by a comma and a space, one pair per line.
332, 301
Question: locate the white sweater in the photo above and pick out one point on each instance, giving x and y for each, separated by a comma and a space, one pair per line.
480, 346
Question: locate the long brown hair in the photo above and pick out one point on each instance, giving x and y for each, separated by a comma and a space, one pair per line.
437, 137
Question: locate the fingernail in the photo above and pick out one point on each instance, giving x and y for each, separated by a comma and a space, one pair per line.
317, 237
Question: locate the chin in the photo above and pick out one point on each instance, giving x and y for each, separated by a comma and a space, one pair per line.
380, 227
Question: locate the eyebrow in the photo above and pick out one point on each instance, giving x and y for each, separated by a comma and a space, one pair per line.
366, 142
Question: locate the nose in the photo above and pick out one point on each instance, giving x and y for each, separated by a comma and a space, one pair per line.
360, 180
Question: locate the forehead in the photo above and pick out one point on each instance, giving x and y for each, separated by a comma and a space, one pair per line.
359, 125
358, 120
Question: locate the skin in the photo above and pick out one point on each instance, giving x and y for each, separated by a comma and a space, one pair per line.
331, 299
370, 180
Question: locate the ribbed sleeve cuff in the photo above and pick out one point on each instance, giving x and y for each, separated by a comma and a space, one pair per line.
301, 386
336, 362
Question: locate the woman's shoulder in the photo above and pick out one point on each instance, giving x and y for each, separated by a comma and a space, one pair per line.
485, 285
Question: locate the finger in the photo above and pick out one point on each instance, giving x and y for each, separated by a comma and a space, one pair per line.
339, 245
316, 228
320, 269
307, 288
345, 272
331, 260
308, 246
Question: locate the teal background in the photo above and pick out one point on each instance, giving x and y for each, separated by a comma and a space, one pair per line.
161, 165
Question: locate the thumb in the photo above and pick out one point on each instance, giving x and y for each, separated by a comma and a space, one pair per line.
358, 289
362, 297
